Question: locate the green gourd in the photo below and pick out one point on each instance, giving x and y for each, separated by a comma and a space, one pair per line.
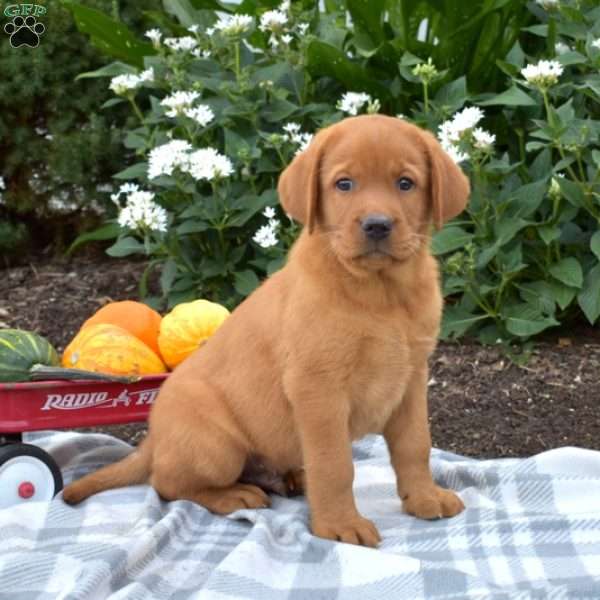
27, 356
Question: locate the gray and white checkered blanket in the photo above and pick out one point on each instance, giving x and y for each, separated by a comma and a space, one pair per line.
531, 529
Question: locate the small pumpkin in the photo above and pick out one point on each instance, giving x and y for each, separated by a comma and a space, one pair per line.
20, 351
106, 348
135, 317
187, 327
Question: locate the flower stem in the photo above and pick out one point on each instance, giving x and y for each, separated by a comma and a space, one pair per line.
547, 106
136, 108
426, 97
237, 61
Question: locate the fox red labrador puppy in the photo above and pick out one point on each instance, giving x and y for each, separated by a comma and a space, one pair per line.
330, 348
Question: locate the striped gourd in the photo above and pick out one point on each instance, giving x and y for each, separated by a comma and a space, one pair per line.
20, 351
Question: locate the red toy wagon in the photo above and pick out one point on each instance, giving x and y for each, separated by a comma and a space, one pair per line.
28, 472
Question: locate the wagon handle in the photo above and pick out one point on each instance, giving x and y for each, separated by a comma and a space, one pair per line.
40, 372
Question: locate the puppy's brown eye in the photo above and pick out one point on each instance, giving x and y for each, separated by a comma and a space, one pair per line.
344, 184
405, 184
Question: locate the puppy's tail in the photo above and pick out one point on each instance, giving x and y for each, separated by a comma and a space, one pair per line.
132, 470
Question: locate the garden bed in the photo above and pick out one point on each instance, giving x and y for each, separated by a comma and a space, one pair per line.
481, 404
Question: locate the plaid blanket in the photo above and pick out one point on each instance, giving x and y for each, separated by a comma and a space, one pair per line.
531, 530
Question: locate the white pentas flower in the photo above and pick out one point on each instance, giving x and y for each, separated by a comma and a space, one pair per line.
154, 35
302, 28
266, 236
353, 102
202, 114
142, 213
596, 43
460, 138
482, 139
273, 21
147, 75
467, 118
178, 102
233, 25
294, 135
561, 48
122, 85
549, 4
543, 75
208, 164
126, 188
181, 44
163, 159
199, 53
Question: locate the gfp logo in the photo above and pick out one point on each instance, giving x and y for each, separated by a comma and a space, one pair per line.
24, 29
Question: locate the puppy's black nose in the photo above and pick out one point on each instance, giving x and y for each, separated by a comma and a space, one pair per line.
376, 227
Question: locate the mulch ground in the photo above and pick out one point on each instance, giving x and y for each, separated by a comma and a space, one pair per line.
481, 404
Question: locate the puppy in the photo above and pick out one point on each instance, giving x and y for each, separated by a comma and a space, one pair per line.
330, 348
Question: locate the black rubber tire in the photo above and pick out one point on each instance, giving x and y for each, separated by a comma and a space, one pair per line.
9, 451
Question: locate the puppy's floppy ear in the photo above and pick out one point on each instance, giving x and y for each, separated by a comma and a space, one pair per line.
450, 187
298, 186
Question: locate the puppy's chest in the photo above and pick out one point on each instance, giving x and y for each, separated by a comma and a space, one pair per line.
378, 379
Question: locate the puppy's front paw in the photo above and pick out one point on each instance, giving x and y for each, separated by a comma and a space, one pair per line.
434, 503
355, 530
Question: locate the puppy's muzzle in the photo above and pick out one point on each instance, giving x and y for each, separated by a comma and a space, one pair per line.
376, 227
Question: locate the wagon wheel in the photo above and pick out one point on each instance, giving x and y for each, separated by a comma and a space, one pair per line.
27, 474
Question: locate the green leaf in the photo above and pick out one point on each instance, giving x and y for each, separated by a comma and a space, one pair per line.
526, 199
367, 16
106, 232
514, 96
212, 5
246, 282
595, 244
167, 276
568, 271
182, 10
125, 246
525, 320
112, 102
571, 58
453, 94
562, 294
487, 254
248, 206
538, 294
324, 60
572, 192
137, 171
589, 297
457, 321
279, 110
548, 233
507, 229
191, 226
448, 239
111, 70
275, 265
110, 36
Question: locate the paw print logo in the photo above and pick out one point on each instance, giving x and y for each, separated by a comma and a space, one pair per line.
24, 32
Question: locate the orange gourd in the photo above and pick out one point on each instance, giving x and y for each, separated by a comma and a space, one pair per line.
135, 317
107, 348
187, 327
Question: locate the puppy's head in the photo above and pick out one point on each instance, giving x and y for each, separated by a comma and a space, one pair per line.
372, 185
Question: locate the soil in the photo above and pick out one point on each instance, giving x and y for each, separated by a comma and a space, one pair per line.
481, 403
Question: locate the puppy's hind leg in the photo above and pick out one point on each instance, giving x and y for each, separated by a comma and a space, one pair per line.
205, 469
